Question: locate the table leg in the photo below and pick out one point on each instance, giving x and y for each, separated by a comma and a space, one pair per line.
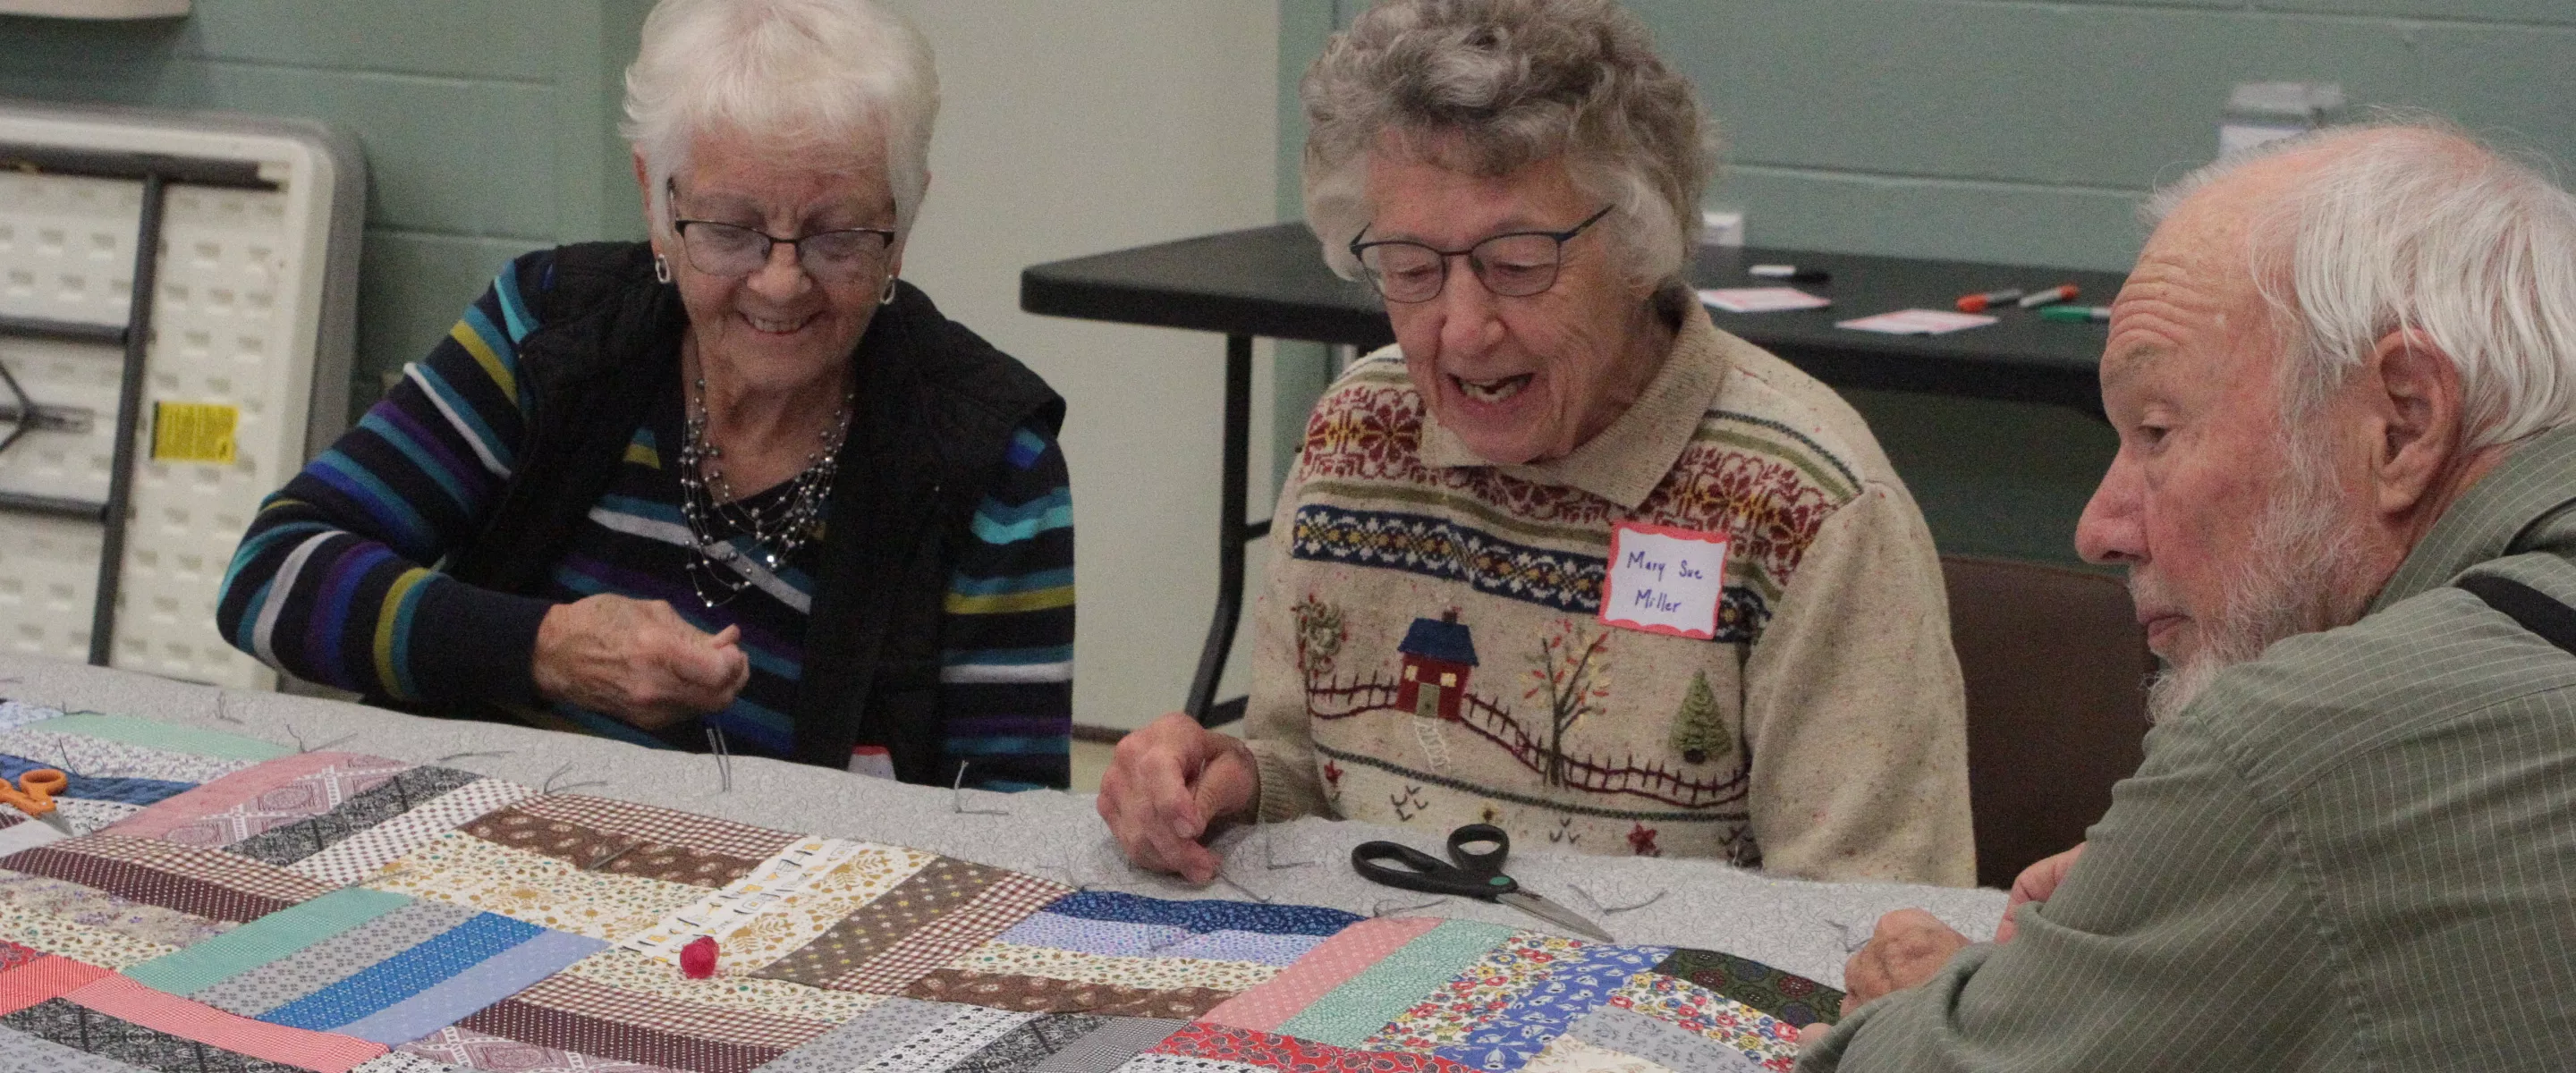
1232, 531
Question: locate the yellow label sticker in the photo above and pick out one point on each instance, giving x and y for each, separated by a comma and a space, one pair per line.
193, 431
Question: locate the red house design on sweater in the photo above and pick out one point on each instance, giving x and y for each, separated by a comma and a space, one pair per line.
1438, 656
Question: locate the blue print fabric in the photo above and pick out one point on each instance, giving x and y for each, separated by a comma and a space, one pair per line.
405, 974
1116, 938
1256, 947
1563, 996
1205, 916
110, 788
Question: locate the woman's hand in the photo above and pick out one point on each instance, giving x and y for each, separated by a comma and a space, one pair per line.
2035, 884
1170, 783
636, 660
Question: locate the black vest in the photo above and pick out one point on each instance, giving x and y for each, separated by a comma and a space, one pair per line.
936, 409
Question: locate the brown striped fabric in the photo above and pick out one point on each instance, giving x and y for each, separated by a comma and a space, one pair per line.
590, 998
628, 820
583, 845
541, 1026
1039, 994
148, 885
1006, 902
941, 887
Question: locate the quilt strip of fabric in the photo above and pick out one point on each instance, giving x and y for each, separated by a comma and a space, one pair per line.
1039, 994
1764, 1038
77, 941
1206, 915
1115, 938
1105, 1048
22, 1053
1379, 993
357, 858
258, 989
625, 854
1329, 965
1034, 1041
1150, 973
28, 901
398, 1062
628, 820
288, 843
939, 887
1271, 1051
1787, 996
15, 714
1676, 1048
28, 982
80, 754
1444, 1015
477, 987
464, 870
159, 735
1563, 992
1569, 1054
966, 1030
254, 799
1173, 1063
1279, 951
405, 974
206, 883
17, 832
627, 970
126, 1046
577, 1033
786, 903
862, 1038
481, 1051
120, 997
201, 962
1007, 901
581, 995
85, 786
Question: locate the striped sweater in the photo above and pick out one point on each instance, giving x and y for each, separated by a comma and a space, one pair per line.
336, 580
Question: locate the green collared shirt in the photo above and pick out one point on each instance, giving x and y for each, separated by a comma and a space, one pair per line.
2357, 852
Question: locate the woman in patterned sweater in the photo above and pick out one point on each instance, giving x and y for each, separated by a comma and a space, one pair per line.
1568, 559
738, 487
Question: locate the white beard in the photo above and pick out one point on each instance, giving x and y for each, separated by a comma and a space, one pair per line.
2301, 574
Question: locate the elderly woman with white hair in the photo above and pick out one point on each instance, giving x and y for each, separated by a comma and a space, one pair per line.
737, 487
1482, 604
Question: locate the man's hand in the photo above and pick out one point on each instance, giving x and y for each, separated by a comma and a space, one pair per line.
1909, 946
636, 660
1169, 784
2035, 884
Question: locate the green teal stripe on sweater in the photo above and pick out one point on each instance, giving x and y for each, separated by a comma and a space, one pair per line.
1357, 1009
265, 940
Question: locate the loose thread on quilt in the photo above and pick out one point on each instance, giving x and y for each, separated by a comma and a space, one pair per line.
461, 756
1269, 850
223, 709
303, 748
549, 786
957, 797
724, 758
1844, 931
1379, 908
1599, 905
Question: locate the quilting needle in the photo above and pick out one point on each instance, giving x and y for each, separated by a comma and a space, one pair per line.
1379, 908
724, 758
1597, 903
461, 756
1269, 852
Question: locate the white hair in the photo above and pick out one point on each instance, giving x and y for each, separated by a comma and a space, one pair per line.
2414, 225
808, 74
1487, 86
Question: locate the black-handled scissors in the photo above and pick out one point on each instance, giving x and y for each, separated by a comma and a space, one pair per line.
1470, 872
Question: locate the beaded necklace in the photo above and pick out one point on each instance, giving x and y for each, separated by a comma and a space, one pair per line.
774, 530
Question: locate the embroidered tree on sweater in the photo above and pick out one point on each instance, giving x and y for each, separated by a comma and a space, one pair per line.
1698, 735
1571, 676
1320, 633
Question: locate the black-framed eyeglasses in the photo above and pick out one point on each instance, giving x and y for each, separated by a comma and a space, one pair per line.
1512, 265
836, 256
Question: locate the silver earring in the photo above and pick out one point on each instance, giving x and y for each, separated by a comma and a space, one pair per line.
661, 268
887, 298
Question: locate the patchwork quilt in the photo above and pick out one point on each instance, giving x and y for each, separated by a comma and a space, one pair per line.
224, 904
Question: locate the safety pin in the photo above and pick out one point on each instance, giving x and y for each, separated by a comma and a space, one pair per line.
957, 797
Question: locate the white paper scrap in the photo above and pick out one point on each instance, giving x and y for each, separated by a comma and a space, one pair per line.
1762, 299
1918, 322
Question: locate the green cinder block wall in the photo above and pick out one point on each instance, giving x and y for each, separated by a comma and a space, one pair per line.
2021, 133
487, 124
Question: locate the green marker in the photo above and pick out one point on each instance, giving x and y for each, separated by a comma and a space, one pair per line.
2078, 314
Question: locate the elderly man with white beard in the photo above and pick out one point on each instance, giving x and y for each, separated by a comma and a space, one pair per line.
2343, 375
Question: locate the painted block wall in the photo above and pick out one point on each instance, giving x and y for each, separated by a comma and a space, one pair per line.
486, 124
2025, 133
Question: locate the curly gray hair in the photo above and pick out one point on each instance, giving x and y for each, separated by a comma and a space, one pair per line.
1489, 86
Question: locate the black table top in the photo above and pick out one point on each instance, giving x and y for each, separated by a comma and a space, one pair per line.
1271, 281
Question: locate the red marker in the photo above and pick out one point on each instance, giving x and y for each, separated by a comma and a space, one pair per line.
2062, 293
1977, 303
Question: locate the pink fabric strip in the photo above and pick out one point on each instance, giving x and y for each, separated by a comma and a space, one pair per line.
48, 977
231, 790
322, 1052
1330, 964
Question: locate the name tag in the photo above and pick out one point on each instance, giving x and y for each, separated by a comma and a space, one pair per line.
1664, 580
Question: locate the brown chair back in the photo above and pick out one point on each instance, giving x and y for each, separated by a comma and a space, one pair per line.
2054, 661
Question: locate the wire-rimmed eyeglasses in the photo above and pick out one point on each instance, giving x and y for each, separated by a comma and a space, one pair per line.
836, 256
1512, 265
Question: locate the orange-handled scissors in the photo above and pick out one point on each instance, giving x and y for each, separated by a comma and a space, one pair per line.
34, 795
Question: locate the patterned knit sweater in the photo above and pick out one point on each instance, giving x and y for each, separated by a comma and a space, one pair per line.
1430, 649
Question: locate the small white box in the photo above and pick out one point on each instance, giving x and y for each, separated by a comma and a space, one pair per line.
1721, 228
